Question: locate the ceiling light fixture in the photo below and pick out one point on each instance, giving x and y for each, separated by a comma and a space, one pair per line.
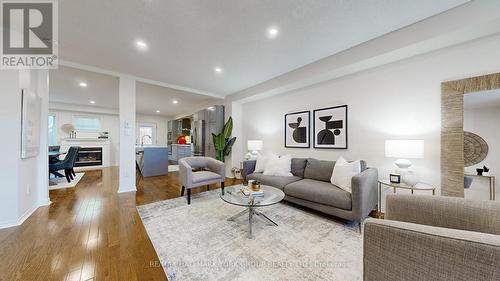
83, 85
175, 102
157, 111
272, 32
141, 45
218, 70
92, 102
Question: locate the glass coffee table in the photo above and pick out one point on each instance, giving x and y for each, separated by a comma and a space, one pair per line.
234, 196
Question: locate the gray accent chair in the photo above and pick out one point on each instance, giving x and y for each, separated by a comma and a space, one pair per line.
310, 187
433, 238
210, 171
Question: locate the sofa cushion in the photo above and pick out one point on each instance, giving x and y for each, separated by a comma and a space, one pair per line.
274, 181
319, 192
320, 170
298, 167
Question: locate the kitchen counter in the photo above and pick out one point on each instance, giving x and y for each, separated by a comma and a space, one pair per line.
152, 160
181, 150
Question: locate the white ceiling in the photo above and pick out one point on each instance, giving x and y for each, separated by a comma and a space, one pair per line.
188, 38
103, 89
486, 99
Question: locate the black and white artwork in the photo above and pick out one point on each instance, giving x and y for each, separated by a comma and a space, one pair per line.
297, 129
330, 127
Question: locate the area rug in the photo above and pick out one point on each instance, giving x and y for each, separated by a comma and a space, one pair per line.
197, 242
58, 183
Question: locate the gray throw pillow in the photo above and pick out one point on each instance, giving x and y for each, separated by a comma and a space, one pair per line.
320, 170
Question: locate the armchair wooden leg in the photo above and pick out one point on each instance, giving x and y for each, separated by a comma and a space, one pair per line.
189, 196
222, 187
208, 187
182, 190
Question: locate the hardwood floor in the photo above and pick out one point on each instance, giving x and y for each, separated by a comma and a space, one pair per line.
89, 232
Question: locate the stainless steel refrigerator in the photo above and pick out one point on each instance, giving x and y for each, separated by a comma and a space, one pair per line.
198, 137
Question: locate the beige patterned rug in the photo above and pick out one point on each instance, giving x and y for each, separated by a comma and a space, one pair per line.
197, 242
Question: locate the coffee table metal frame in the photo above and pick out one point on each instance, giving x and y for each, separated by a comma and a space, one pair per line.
252, 204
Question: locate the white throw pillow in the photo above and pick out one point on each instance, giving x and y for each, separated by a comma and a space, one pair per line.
260, 164
279, 166
343, 172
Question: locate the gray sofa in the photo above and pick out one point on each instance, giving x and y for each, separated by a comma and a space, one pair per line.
433, 238
310, 187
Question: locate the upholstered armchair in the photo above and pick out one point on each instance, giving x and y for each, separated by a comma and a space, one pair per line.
210, 171
433, 238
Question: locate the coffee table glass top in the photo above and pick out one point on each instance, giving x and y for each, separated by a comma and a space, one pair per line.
233, 195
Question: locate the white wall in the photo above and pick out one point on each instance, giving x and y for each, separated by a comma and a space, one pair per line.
401, 100
24, 188
481, 122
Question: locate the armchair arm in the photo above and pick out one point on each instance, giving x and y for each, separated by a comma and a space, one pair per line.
364, 193
185, 172
449, 212
248, 168
400, 251
217, 167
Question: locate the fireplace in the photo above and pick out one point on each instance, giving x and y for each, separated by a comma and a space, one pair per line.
89, 156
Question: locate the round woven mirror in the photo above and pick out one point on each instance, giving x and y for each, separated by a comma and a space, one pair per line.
475, 149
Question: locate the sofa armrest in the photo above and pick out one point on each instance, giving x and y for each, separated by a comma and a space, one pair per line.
364, 193
402, 251
248, 168
449, 212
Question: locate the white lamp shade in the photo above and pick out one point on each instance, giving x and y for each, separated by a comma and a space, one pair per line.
255, 145
404, 148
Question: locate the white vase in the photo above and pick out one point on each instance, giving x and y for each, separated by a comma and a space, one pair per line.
410, 178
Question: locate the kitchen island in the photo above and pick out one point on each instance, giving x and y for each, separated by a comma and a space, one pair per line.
152, 160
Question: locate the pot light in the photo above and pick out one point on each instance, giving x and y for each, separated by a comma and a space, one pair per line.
83, 84
272, 32
175, 102
141, 45
218, 70
92, 102
157, 111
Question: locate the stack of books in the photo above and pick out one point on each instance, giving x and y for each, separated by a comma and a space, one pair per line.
249, 192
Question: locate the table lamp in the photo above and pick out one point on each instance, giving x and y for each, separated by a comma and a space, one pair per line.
254, 146
402, 150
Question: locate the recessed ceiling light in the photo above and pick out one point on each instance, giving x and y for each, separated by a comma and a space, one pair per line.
157, 111
141, 45
92, 102
272, 32
218, 70
83, 84
211, 108
175, 102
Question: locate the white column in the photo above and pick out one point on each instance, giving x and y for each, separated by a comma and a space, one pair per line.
127, 135
234, 109
43, 164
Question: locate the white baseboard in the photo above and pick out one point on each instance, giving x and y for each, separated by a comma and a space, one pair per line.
129, 189
20, 221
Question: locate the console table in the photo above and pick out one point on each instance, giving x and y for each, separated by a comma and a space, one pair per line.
492, 183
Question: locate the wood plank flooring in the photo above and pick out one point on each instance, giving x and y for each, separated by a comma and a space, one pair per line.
89, 232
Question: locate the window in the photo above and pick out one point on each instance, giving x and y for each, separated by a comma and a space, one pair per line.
146, 133
52, 133
87, 123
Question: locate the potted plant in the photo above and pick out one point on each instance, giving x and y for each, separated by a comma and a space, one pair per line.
223, 141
